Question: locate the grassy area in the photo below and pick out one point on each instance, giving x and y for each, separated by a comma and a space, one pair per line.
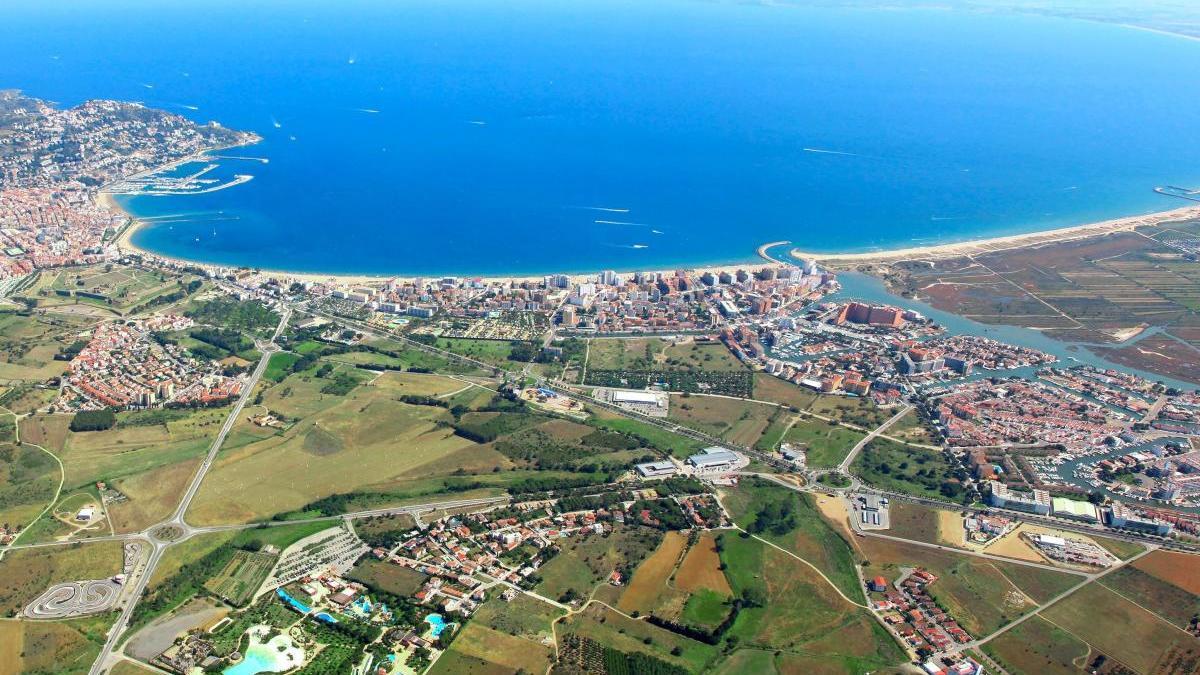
587, 561
1129, 633
60, 647
652, 436
1037, 646
29, 343
752, 505
28, 480
387, 577
737, 421
894, 466
279, 366
815, 621
827, 444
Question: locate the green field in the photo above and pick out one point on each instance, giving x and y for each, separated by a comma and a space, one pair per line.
814, 622
752, 505
827, 444
1129, 633
902, 468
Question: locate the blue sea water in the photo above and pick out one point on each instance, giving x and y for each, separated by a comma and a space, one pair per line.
471, 136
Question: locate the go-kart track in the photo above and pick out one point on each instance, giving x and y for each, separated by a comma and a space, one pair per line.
74, 598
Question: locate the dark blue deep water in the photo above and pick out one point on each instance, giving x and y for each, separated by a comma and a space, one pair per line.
500, 126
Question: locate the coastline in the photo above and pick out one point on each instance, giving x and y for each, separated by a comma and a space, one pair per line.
124, 242
1001, 243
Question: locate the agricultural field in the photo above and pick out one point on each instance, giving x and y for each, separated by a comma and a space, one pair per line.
1177, 569
736, 421
60, 647
26, 573
241, 576
631, 636
1104, 284
506, 636
649, 590
29, 344
339, 444
1132, 635
1037, 646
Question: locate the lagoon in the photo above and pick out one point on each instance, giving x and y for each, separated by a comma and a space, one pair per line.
472, 137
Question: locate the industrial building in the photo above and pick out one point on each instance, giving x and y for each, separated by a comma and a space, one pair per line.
713, 459
1037, 501
656, 469
650, 403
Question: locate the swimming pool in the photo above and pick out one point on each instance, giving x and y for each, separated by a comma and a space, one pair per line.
436, 624
261, 658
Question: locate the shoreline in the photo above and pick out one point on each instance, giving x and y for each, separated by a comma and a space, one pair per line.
758, 260
1004, 242
124, 243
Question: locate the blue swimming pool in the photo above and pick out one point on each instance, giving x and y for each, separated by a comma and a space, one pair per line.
436, 624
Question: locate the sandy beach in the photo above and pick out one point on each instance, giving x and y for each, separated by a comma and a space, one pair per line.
125, 243
963, 248
980, 246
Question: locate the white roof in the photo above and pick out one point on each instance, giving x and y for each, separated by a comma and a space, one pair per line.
1051, 540
635, 397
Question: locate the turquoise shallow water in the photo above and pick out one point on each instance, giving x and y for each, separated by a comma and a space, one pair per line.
532, 136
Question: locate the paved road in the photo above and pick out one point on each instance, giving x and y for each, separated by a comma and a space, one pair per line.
104, 660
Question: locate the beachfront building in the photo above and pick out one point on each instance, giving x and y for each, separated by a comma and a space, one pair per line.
1037, 501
